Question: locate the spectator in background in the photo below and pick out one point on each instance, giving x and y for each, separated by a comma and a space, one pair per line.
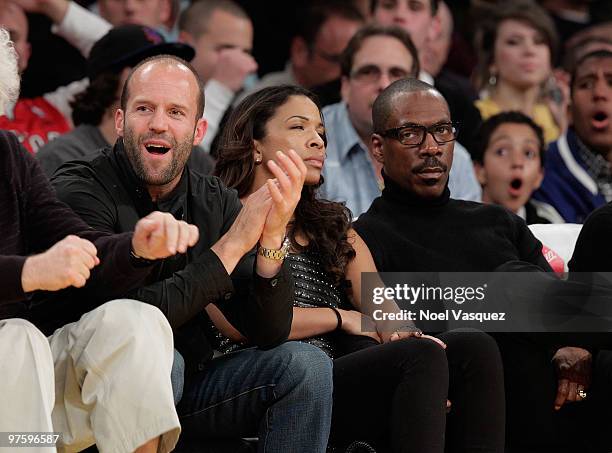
595, 37
38, 120
517, 49
578, 173
436, 47
421, 19
323, 31
54, 63
436, 52
570, 16
152, 13
374, 58
93, 113
509, 164
222, 35
220, 31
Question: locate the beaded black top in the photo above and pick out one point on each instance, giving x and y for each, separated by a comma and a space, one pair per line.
313, 288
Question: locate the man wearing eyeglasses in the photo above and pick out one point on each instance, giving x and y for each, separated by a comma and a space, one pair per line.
374, 58
415, 226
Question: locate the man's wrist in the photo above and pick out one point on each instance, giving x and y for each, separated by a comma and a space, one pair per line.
138, 260
28, 274
230, 248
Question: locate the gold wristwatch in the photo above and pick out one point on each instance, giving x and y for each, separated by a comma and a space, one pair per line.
273, 254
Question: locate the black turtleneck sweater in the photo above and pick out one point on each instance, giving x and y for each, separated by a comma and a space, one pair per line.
406, 233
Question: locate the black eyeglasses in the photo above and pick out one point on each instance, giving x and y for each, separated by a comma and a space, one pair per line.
414, 134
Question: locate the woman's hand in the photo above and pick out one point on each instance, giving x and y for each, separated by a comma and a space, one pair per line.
285, 190
399, 334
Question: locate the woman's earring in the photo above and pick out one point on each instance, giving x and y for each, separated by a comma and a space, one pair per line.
257, 160
492, 79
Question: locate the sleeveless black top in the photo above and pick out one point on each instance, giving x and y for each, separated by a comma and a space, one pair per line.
313, 288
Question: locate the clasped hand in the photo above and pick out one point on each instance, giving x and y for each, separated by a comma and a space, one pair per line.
69, 262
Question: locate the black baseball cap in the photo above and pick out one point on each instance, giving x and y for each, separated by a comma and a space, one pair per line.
127, 45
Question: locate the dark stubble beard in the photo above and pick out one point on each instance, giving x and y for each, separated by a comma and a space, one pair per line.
180, 155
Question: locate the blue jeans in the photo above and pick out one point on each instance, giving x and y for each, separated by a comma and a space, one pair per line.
282, 395
177, 376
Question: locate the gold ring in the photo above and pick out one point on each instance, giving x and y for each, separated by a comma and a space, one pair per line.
582, 393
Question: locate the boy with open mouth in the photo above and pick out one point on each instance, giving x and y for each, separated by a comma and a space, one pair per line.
509, 164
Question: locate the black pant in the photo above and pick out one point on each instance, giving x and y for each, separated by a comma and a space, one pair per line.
394, 395
531, 387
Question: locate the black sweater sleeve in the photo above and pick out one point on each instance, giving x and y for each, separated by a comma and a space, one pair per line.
593, 251
261, 308
262, 312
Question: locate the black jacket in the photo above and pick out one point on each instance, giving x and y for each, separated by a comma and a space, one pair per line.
109, 196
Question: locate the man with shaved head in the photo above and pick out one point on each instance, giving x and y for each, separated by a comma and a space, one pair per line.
426, 20
375, 57
413, 139
251, 393
416, 227
103, 375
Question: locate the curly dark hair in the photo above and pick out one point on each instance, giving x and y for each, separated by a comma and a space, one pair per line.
89, 106
324, 223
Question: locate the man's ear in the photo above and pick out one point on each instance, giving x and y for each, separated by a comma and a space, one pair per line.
377, 148
481, 174
119, 122
200, 131
299, 52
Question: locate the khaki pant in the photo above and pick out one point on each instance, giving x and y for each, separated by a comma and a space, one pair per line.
111, 372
